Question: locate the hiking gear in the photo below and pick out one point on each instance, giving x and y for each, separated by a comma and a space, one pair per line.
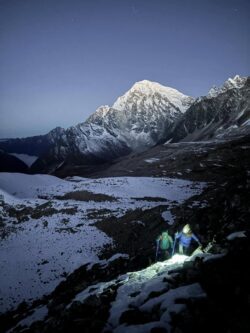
157, 249
173, 246
166, 241
206, 249
198, 250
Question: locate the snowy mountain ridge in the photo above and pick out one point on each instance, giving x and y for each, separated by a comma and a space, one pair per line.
147, 114
231, 83
141, 117
223, 113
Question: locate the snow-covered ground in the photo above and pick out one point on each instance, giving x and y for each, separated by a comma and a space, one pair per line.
141, 290
142, 284
37, 253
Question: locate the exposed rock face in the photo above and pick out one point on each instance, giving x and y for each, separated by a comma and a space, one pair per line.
225, 112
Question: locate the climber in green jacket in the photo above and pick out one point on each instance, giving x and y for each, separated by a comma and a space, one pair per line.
164, 245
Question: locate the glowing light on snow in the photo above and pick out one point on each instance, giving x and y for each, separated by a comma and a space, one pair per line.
177, 259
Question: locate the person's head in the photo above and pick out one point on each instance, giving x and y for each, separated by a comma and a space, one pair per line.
165, 234
186, 229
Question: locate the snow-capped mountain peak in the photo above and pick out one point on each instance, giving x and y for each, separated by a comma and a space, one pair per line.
236, 82
138, 119
146, 93
150, 87
231, 83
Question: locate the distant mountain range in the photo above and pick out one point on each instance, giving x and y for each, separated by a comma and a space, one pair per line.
144, 116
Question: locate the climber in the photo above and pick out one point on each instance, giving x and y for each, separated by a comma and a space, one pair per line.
184, 239
164, 245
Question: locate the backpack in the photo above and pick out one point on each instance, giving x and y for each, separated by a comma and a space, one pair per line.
164, 241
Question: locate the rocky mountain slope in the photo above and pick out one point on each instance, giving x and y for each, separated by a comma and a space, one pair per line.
35, 145
223, 113
137, 120
32, 146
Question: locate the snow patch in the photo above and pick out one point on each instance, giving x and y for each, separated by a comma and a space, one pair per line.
9, 199
237, 234
168, 217
25, 186
27, 159
152, 160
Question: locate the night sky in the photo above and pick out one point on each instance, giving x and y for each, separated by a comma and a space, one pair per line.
61, 59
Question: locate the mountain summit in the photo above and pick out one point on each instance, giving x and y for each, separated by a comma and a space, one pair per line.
143, 115
147, 94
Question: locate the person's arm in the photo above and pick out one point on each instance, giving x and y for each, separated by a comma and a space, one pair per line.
196, 239
171, 241
177, 235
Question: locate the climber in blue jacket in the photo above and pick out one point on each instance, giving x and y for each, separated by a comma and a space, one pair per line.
184, 239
